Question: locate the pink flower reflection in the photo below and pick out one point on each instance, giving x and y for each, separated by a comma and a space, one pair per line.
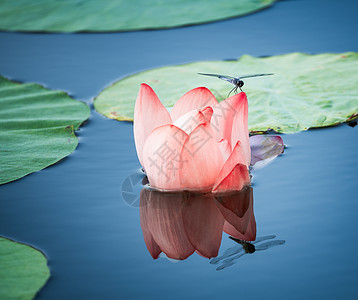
179, 224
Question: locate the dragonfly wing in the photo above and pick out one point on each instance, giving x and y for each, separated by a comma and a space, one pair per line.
270, 244
263, 238
215, 260
228, 252
216, 75
222, 267
223, 77
229, 262
254, 75
231, 80
232, 250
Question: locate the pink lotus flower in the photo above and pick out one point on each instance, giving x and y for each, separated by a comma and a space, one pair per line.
201, 145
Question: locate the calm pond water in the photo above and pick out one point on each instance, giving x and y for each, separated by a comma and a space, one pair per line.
74, 211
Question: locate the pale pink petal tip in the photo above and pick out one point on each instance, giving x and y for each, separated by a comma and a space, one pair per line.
194, 99
193, 119
224, 114
149, 113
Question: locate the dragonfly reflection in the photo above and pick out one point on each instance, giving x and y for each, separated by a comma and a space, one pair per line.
236, 81
242, 247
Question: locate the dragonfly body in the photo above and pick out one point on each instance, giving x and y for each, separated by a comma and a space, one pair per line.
236, 81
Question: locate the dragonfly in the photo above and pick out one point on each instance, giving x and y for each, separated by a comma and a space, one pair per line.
236, 81
231, 255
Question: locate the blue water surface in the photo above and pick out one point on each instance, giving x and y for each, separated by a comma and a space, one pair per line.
74, 211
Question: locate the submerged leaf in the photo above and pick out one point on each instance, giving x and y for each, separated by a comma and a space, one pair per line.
36, 127
112, 15
306, 90
23, 270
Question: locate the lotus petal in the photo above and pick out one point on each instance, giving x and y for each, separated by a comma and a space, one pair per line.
161, 157
152, 246
195, 99
149, 113
237, 209
264, 147
165, 222
201, 160
240, 131
249, 235
193, 119
203, 224
225, 148
224, 114
234, 175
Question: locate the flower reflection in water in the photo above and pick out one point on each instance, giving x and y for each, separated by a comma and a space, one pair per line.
179, 224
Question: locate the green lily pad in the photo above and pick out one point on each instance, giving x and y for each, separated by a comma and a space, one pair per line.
118, 15
36, 127
305, 91
23, 270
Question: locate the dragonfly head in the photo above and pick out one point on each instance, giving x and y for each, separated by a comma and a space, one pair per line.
240, 83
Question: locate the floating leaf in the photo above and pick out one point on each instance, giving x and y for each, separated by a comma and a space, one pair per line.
113, 15
306, 90
36, 127
23, 270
